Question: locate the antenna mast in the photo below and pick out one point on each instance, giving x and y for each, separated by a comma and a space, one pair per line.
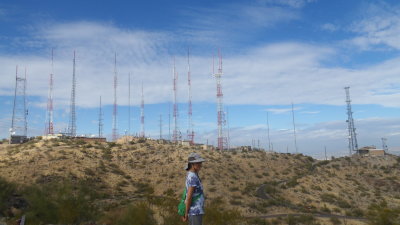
220, 110
18, 131
384, 145
176, 135
72, 120
161, 127
294, 130
353, 145
100, 121
49, 122
269, 140
129, 104
114, 129
142, 134
190, 132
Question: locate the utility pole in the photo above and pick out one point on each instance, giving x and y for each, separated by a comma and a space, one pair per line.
161, 127
129, 104
142, 133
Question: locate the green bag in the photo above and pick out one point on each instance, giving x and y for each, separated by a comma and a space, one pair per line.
182, 205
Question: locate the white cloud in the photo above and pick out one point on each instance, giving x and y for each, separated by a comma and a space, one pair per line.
380, 27
282, 110
329, 27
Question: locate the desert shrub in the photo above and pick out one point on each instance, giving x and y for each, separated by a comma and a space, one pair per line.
144, 188
139, 213
216, 215
257, 221
303, 219
65, 203
329, 198
335, 221
381, 214
6, 190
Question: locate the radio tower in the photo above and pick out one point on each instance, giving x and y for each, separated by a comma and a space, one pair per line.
100, 121
190, 132
176, 135
129, 104
294, 131
49, 123
353, 145
72, 119
114, 129
142, 134
18, 131
220, 110
161, 135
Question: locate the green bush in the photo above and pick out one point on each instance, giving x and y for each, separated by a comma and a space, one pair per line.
65, 203
381, 214
139, 213
215, 214
6, 190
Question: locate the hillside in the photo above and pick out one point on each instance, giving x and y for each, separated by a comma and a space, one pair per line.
251, 183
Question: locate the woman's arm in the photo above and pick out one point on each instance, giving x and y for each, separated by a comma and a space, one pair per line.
189, 195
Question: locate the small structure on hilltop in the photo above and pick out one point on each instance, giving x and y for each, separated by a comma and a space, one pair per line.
371, 151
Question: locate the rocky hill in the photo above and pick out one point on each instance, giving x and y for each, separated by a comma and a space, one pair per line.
245, 183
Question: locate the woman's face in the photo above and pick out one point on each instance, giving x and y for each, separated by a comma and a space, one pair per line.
197, 166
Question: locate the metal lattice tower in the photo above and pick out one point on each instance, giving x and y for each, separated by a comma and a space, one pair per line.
294, 130
384, 145
190, 132
353, 145
221, 140
129, 104
176, 134
19, 126
161, 135
100, 120
115, 107
269, 139
142, 133
72, 119
49, 119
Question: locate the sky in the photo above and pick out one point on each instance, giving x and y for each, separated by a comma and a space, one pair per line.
274, 52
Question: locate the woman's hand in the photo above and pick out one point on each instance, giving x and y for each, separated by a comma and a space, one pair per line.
185, 218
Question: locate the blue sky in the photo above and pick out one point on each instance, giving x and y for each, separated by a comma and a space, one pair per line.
275, 52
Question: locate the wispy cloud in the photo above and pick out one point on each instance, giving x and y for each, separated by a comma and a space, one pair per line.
380, 27
282, 110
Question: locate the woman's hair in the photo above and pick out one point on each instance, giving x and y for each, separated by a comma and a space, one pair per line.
190, 165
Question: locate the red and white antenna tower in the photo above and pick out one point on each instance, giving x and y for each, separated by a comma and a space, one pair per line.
220, 109
142, 134
176, 135
49, 121
190, 132
114, 129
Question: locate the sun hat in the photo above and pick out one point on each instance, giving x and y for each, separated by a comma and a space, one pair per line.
194, 158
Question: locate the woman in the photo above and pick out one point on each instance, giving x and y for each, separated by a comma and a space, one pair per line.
194, 191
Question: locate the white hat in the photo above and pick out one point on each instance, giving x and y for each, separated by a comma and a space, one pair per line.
194, 158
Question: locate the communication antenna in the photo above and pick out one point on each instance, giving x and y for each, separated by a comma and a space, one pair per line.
190, 132
269, 140
19, 126
100, 121
294, 130
49, 121
221, 140
115, 108
169, 121
384, 145
129, 104
353, 145
228, 130
176, 135
142, 133
72, 120
161, 127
